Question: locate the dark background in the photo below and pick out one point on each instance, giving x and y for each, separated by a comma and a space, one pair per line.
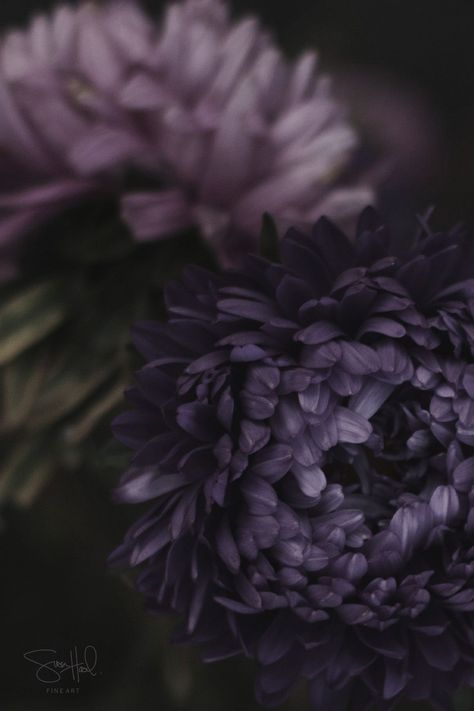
55, 589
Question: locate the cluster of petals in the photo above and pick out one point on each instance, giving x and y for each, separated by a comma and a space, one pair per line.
203, 110
303, 432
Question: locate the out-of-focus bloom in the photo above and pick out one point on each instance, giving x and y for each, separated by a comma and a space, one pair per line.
304, 433
208, 109
240, 130
62, 135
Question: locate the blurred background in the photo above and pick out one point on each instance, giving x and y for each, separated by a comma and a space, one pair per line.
410, 65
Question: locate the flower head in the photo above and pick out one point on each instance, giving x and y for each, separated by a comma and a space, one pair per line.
304, 432
60, 79
239, 128
220, 123
62, 135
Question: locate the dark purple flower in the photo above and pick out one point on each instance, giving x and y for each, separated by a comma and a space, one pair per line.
304, 432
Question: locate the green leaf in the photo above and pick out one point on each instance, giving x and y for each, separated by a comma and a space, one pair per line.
101, 405
25, 472
21, 381
269, 239
29, 316
70, 382
112, 455
464, 700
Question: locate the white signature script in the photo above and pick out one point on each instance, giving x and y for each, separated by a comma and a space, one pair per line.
50, 669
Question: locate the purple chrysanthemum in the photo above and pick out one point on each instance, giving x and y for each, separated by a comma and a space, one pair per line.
206, 107
304, 431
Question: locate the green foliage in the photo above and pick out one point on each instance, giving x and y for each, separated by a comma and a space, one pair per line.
65, 353
29, 316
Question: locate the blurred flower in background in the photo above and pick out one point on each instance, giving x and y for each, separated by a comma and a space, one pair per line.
63, 137
208, 111
303, 432
238, 130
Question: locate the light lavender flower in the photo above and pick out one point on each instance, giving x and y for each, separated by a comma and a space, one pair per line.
62, 135
209, 108
240, 130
